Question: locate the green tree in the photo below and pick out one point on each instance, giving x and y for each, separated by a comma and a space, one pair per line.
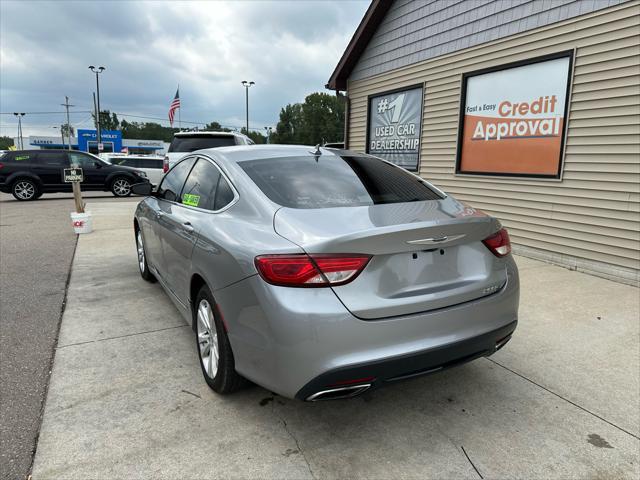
108, 120
257, 137
289, 126
318, 120
215, 127
146, 131
322, 119
67, 130
5, 143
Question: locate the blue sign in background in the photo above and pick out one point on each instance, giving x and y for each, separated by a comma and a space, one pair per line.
85, 136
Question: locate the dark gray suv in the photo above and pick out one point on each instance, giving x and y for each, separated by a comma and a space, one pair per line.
27, 174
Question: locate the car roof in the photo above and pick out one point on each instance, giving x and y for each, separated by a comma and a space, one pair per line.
152, 157
38, 150
208, 134
240, 153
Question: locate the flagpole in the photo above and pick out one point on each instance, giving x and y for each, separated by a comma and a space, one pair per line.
179, 109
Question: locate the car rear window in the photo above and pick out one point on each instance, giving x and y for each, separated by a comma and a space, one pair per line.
199, 142
333, 181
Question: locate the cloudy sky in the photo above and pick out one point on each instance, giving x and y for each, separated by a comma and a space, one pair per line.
289, 48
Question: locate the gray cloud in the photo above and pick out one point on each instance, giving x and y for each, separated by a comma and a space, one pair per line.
289, 48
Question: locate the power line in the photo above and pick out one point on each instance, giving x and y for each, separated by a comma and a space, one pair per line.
154, 118
48, 113
121, 114
184, 121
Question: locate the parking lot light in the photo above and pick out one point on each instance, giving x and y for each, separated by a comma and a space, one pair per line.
97, 71
246, 85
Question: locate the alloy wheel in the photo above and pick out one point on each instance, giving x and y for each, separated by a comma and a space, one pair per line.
207, 339
140, 251
121, 187
25, 190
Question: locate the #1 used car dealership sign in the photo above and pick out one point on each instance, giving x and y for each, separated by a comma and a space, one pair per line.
513, 118
394, 126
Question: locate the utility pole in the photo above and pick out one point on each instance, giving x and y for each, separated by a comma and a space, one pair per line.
95, 112
20, 140
77, 195
246, 86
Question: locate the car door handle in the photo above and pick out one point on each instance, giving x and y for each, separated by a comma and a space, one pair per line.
187, 227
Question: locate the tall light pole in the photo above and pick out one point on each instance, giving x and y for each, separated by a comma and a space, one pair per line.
20, 115
97, 71
246, 86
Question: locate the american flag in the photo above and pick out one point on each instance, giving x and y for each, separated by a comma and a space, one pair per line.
175, 104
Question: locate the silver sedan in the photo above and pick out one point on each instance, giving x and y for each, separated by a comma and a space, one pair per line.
320, 273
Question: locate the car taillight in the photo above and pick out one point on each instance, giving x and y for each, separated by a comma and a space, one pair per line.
1, 165
301, 270
499, 243
165, 164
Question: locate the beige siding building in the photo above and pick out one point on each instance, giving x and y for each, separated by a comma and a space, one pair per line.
581, 208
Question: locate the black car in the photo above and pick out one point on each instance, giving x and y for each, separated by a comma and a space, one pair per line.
27, 174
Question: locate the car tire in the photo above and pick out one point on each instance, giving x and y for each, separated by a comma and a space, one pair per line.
121, 187
25, 189
211, 341
143, 266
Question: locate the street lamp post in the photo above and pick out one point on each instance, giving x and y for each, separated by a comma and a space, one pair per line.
246, 86
97, 71
20, 115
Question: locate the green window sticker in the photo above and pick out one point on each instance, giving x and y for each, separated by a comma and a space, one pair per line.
191, 200
22, 157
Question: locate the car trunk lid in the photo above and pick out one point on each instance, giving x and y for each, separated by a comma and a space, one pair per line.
425, 255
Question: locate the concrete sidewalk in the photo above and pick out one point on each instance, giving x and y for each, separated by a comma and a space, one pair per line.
126, 398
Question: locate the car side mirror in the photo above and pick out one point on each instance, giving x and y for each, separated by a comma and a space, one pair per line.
97, 164
144, 189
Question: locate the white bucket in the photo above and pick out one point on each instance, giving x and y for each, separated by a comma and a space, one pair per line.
82, 222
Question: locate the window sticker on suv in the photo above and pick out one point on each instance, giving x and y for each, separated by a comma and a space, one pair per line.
191, 200
22, 157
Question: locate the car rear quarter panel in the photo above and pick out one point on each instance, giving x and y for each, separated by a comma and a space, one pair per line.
229, 241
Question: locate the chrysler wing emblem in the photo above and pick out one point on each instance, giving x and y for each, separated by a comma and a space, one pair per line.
435, 240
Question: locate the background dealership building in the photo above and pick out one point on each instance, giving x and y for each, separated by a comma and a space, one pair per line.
529, 110
86, 140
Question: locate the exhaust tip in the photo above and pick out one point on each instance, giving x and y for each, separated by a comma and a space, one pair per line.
337, 393
502, 342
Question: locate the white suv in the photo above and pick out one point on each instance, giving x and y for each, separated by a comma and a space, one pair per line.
187, 142
150, 164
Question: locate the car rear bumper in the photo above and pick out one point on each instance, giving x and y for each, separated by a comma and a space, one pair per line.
295, 341
355, 379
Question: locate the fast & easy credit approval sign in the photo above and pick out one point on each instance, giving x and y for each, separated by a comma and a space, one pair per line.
394, 126
513, 119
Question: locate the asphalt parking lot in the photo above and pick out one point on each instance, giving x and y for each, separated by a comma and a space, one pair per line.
36, 249
126, 397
